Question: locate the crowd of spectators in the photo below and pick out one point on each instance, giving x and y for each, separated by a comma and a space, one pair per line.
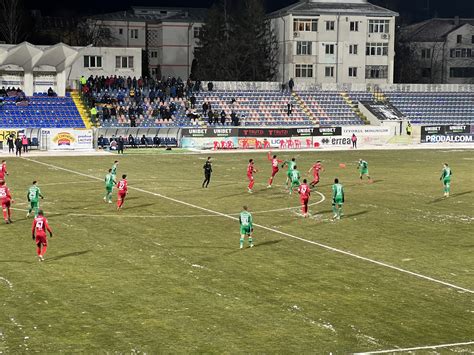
146, 101
17, 94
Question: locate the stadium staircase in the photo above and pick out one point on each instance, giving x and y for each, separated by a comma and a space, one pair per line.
305, 108
81, 107
354, 107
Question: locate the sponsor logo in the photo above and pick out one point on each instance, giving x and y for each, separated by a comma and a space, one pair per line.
449, 138
64, 139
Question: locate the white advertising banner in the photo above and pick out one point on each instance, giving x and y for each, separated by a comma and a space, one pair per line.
67, 139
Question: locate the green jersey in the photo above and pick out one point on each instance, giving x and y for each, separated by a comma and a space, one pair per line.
109, 180
363, 165
245, 220
34, 193
446, 174
291, 165
114, 169
337, 193
295, 175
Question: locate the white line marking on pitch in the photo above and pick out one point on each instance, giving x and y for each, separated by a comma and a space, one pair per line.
9, 284
135, 216
418, 348
340, 251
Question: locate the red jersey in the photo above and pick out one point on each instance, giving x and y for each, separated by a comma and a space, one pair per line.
274, 161
3, 170
317, 168
304, 191
250, 169
122, 186
40, 226
5, 195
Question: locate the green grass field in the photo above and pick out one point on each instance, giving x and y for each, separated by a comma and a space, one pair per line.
166, 277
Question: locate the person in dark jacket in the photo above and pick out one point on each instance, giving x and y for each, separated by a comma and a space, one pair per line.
120, 144
18, 146
207, 173
11, 144
223, 117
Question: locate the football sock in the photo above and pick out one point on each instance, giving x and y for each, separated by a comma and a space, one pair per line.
5, 217
334, 209
339, 212
250, 241
270, 182
38, 250
44, 250
241, 242
251, 184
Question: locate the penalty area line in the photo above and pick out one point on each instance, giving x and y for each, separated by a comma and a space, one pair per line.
441, 346
276, 231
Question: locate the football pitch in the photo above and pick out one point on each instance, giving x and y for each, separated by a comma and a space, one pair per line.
166, 274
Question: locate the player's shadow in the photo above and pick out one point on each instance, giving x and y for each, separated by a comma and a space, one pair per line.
267, 243
376, 181
356, 214
439, 199
140, 206
18, 261
69, 255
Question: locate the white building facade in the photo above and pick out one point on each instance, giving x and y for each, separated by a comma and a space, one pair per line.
168, 36
36, 68
327, 41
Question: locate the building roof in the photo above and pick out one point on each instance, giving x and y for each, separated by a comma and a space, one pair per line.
156, 15
433, 30
319, 7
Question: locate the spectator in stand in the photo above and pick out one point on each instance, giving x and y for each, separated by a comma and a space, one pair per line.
210, 86
291, 84
143, 141
131, 141
156, 141
289, 108
133, 121
234, 118
101, 141
3, 92
223, 117
24, 143
205, 108
210, 117
193, 101
93, 115
51, 92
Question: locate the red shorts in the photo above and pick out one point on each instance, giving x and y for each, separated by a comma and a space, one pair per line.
122, 195
316, 178
275, 171
250, 177
6, 204
304, 200
41, 239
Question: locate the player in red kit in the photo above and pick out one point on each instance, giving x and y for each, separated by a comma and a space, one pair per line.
122, 187
6, 201
3, 170
305, 193
38, 233
317, 168
275, 169
250, 171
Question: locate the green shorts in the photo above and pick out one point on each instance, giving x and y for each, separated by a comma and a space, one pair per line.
447, 181
109, 188
245, 230
288, 174
338, 201
364, 172
34, 204
295, 183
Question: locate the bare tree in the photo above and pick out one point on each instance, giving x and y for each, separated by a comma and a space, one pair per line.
11, 21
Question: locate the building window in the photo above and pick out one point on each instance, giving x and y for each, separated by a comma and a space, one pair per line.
304, 71
379, 26
353, 72
134, 34
120, 31
154, 54
353, 49
197, 32
303, 48
329, 72
426, 53
354, 26
305, 25
329, 48
461, 53
461, 72
124, 62
92, 61
459, 39
376, 72
330, 25
379, 49
426, 72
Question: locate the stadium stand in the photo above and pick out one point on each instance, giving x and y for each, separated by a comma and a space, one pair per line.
435, 108
40, 111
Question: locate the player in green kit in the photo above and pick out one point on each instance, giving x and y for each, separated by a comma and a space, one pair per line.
291, 165
109, 186
337, 199
114, 169
246, 227
295, 177
364, 169
33, 195
446, 178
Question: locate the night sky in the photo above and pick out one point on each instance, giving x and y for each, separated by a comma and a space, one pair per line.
410, 10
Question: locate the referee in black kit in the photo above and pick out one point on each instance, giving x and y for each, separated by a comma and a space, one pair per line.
207, 172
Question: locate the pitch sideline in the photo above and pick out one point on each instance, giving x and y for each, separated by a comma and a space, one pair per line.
441, 346
327, 247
